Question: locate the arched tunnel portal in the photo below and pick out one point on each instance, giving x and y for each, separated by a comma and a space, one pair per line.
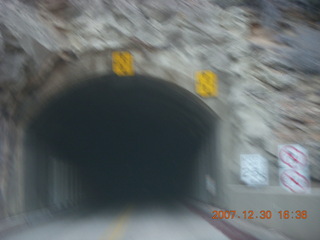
120, 138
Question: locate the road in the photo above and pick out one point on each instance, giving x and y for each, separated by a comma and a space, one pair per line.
131, 222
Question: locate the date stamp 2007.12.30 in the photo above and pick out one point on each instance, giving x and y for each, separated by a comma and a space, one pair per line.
263, 214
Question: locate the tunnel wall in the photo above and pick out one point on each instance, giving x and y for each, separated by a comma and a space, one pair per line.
206, 176
39, 177
49, 182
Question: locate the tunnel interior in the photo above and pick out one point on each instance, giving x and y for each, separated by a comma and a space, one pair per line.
119, 139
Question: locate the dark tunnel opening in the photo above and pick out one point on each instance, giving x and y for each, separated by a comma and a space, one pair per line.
129, 138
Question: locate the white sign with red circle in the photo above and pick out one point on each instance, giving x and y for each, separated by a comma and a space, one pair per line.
295, 181
294, 168
293, 156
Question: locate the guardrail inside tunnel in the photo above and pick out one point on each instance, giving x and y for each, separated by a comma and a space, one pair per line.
119, 139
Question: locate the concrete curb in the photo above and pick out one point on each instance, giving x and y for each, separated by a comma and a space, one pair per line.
18, 222
15, 223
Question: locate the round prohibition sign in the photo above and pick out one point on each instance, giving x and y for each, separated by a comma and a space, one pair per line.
293, 157
294, 181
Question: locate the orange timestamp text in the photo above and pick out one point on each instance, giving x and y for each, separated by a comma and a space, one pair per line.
263, 214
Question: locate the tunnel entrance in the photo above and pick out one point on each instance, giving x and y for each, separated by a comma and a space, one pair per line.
115, 139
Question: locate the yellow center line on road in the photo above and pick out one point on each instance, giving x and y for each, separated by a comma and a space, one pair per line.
119, 225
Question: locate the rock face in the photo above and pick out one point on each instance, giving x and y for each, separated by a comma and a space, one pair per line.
12, 58
275, 94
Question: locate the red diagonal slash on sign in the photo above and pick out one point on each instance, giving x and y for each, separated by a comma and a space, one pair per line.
286, 152
289, 174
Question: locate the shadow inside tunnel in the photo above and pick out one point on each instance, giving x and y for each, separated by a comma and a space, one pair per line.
130, 139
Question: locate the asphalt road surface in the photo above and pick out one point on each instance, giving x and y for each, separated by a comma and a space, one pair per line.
130, 222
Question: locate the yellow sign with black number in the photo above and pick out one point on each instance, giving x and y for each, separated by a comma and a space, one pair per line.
122, 63
206, 83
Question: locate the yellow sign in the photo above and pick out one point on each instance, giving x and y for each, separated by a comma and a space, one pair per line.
206, 83
122, 63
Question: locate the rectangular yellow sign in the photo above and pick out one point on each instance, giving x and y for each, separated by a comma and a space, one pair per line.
206, 83
122, 63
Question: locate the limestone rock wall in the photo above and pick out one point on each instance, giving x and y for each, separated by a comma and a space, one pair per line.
275, 89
